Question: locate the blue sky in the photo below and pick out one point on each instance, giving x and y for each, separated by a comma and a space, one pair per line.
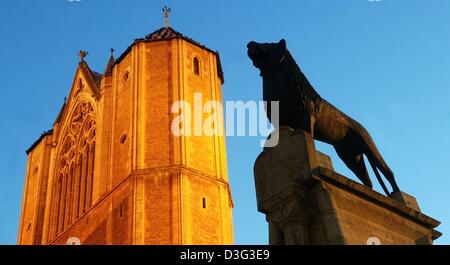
387, 64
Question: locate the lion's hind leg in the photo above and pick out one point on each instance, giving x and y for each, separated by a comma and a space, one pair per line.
355, 162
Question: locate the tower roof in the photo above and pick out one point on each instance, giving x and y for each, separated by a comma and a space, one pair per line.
164, 34
169, 33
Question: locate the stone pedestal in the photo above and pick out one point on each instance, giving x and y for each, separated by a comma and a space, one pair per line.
406, 199
306, 202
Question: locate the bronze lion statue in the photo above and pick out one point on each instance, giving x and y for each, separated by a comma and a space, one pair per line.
301, 107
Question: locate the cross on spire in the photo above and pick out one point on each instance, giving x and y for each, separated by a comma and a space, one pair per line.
166, 10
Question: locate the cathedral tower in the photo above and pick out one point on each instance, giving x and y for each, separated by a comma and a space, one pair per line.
112, 172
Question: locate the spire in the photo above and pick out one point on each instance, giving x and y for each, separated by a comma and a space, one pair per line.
110, 65
166, 10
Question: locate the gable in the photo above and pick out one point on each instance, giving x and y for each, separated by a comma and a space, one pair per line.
75, 138
86, 83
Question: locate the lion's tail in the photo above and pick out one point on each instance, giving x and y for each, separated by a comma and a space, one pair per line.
376, 160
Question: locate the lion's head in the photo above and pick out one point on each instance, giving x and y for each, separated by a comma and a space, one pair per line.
265, 55
283, 80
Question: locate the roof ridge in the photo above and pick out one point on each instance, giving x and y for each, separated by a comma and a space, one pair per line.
96, 77
170, 33
45, 133
163, 33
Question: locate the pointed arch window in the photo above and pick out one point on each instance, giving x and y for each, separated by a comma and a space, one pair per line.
74, 170
196, 63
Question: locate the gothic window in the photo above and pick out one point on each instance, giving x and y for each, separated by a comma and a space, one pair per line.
196, 66
75, 169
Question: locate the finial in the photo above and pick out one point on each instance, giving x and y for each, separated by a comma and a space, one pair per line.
166, 10
112, 52
83, 55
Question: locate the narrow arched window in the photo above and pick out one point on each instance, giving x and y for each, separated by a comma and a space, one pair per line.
204, 202
75, 169
196, 66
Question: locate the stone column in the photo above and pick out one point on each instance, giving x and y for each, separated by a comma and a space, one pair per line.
279, 173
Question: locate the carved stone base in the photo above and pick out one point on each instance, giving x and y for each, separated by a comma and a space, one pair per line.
306, 202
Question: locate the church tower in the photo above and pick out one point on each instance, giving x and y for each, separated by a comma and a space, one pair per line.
112, 172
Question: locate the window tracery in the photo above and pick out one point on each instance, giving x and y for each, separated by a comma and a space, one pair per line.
75, 168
